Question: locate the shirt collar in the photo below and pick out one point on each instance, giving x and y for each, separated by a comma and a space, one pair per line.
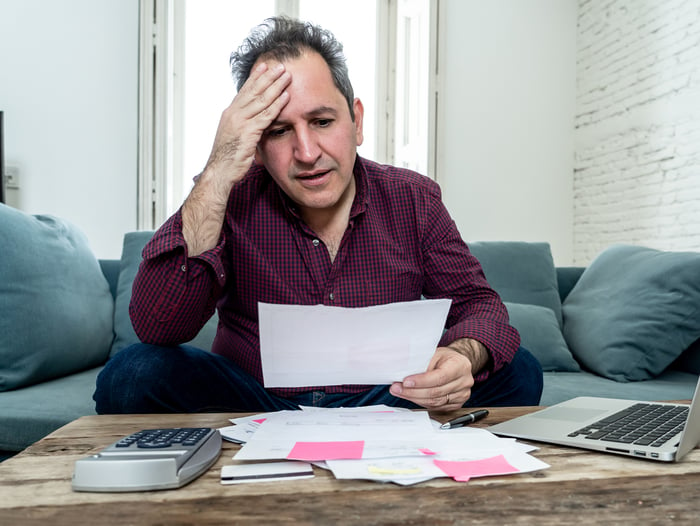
359, 204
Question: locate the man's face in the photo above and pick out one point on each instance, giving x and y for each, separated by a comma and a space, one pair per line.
311, 146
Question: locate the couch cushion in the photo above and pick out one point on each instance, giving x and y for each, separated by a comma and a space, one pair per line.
520, 272
669, 385
31, 413
55, 305
540, 334
130, 261
634, 311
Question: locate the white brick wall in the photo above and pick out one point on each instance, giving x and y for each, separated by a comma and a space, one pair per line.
637, 138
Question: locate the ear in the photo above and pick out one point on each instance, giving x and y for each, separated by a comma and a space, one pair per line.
359, 110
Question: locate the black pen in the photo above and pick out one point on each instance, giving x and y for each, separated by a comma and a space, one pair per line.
465, 419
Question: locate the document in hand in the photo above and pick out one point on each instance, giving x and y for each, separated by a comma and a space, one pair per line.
305, 345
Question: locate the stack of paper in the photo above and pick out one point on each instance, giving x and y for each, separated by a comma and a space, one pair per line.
376, 443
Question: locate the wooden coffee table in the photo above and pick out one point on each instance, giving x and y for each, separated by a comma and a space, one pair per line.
580, 487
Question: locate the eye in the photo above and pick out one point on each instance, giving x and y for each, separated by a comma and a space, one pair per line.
276, 132
324, 123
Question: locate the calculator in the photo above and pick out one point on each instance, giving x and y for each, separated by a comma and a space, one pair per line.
150, 459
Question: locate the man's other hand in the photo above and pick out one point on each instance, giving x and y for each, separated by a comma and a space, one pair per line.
448, 382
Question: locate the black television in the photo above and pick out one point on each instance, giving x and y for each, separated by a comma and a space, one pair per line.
2, 160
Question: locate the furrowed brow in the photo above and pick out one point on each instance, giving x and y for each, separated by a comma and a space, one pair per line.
322, 110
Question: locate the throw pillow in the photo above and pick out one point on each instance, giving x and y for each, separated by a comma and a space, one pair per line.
55, 304
130, 261
540, 334
634, 311
520, 272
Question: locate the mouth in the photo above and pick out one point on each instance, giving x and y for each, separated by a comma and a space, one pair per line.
312, 175
315, 177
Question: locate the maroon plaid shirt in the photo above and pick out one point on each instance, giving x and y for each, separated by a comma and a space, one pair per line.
400, 244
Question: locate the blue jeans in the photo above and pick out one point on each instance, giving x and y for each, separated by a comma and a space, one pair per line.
151, 379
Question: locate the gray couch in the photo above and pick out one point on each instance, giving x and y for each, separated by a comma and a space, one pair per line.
53, 394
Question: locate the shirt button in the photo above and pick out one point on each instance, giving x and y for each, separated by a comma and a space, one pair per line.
183, 268
331, 296
316, 242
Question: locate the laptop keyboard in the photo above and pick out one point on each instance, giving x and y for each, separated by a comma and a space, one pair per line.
642, 424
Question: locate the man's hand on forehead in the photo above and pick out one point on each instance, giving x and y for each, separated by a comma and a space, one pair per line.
253, 109
267, 84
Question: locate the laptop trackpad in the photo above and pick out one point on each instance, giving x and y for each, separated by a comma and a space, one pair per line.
569, 414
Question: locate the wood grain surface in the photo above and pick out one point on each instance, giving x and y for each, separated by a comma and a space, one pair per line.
580, 487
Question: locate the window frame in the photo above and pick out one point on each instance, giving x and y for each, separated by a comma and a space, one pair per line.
161, 99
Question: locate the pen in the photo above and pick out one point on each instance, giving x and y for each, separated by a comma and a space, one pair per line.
465, 419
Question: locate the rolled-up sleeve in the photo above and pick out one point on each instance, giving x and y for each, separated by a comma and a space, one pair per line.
174, 295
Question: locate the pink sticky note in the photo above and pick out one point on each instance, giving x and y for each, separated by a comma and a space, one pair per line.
462, 471
427, 451
312, 451
259, 420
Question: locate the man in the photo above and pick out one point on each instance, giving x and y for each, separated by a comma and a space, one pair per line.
286, 212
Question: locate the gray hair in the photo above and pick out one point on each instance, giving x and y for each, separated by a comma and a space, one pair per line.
283, 38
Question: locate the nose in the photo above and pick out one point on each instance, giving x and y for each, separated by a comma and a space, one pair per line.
307, 149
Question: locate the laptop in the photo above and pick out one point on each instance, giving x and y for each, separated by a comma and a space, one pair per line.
650, 430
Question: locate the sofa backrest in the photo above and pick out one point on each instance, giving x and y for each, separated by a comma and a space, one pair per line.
120, 285
110, 268
567, 277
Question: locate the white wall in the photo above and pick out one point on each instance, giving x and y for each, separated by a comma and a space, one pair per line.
637, 167
69, 87
505, 145
69, 90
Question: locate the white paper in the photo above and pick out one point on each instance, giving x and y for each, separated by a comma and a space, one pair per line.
239, 434
384, 433
359, 409
461, 444
245, 427
307, 345
400, 446
413, 470
400, 470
